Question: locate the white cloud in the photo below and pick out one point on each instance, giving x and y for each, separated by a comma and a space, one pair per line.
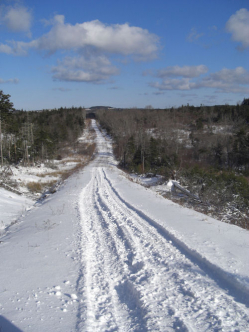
226, 80
55, 20
185, 71
178, 78
15, 48
93, 69
119, 39
174, 84
17, 19
93, 42
6, 49
238, 26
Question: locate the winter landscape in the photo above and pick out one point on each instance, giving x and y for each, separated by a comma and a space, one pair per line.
104, 254
124, 166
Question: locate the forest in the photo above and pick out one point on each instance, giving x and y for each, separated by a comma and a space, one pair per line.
205, 148
35, 136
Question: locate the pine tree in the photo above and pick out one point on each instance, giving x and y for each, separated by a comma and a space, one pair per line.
5, 110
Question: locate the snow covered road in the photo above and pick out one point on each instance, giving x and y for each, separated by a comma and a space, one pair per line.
134, 278
131, 271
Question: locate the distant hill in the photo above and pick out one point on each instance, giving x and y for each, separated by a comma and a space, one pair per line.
100, 107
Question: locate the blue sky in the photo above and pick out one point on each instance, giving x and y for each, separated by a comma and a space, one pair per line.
124, 54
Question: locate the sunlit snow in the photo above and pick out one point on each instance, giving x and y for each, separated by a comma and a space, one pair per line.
106, 254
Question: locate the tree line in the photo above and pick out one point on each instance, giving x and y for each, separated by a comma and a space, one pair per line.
206, 148
28, 137
162, 140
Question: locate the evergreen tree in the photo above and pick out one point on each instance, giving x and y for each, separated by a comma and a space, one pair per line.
6, 107
5, 110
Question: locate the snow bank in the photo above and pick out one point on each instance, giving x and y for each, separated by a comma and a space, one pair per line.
11, 207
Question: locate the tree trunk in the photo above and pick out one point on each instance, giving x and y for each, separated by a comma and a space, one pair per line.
143, 162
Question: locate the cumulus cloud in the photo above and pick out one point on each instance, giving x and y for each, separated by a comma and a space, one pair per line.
15, 48
226, 80
178, 78
93, 69
185, 71
93, 43
238, 26
174, 84
17, 19
121, 39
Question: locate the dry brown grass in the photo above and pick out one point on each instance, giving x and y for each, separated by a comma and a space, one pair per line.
71, 171
81, 162
82, 157
34, 187
38, 187
56, 174
87, 149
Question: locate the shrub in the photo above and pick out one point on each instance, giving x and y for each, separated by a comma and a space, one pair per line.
34, 187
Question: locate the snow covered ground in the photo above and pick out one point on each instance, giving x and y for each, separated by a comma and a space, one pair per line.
106, 254
11, 207
28, 184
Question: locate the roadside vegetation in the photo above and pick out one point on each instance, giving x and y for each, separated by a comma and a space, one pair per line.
43, 145
206, 149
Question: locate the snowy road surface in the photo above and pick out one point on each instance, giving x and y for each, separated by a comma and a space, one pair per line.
104, 256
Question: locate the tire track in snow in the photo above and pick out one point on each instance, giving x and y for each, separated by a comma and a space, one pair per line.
191, 281
127, 293
103, 269
225, 280
133, 278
